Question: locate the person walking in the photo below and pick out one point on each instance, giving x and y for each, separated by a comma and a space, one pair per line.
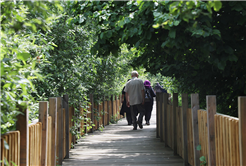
148, 104
159, 88
135, 93
124, 108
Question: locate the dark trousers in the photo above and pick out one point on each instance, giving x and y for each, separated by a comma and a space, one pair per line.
148, 110
129, 117
135, 109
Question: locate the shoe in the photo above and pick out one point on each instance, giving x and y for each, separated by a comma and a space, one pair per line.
134, 128
147, 123
140, 125
129, 124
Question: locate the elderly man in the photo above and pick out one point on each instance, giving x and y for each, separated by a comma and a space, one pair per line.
135, 92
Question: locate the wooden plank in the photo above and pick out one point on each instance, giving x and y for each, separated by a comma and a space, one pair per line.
103, 111
175, 104
31, 147
116, 106
216, 138
92, 111
161, 117
81, 122
228, 142
112, 105
190, 137
97, 113
49, 141
53, 114
67, 131
238, 143
18, 151
64, 133
35, 144
224, 139
10, 149
242, 129
39, 142
43, 118
60, 130
108, 110
22, 126
211, 111
2, 151
218, 148
221, 140
157, 116
195, 107
232, 152
185, 131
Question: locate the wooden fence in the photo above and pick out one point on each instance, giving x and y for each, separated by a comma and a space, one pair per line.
221, 138
48, 140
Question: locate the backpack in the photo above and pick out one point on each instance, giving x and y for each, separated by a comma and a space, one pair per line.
147, 96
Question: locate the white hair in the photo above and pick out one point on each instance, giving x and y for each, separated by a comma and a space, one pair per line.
134, 73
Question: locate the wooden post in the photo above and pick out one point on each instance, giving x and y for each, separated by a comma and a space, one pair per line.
175, 104
66, 106
185, 131
53, 114
92, 111
211, 108
157, 115
161, 117
73, 115
108, 111
242, 129
104, 111
43, 118
116, 109
60, 130
112, 105
194, 108
22, 126
98, 113
165, 101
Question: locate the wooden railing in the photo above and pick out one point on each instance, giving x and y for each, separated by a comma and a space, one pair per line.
221, 138
45, 141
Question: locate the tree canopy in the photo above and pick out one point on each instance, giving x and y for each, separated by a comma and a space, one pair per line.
199, 44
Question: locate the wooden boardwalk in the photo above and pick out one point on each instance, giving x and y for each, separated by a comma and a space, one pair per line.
119, 145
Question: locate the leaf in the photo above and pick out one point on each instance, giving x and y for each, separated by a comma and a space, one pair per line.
172, 33
156, 26
217, 5
164, 43
216, 32
176, 22
199, 147
23, 56
101, 35
2, 69
238, 7
139, 1
203, 159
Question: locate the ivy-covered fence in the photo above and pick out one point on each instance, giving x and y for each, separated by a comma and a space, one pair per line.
47, 140
202, 137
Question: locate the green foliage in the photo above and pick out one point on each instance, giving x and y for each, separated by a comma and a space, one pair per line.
20, 33
202, 158
114, 119
198, 44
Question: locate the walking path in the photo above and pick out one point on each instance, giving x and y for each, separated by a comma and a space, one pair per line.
119, 145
